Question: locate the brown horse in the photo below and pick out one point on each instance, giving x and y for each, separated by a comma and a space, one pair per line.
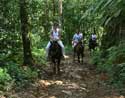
92, 45
79, 50
55, 54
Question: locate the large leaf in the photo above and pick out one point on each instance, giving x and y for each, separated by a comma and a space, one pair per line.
98, 5
117, 13
108, 20
106, 4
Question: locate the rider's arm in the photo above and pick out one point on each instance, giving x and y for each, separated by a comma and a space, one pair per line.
81, 36
51, 35
73, 37
59, 35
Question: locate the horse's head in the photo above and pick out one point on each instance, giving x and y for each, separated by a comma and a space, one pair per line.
55, 49
92, 44
80, 43
54, 44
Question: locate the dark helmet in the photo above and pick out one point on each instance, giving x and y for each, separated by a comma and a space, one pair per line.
55, 24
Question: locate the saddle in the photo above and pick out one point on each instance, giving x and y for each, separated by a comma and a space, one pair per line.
78, 45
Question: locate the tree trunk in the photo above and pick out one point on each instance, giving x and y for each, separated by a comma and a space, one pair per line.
28, 60
60, 13
54, 10
46, 19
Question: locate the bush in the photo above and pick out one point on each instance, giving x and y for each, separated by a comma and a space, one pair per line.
39, 55
112, 61
5, 80
4, 76
22, 75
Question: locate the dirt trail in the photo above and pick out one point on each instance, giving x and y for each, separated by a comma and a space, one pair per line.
76, 81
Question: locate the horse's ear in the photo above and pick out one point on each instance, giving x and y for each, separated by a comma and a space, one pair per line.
51, 42
56, 42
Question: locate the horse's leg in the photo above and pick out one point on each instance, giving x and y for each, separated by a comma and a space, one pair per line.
78, 55
89, 49
82, 54
74, 54
54, 66
58, 66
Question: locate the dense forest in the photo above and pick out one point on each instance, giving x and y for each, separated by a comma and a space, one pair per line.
25, 26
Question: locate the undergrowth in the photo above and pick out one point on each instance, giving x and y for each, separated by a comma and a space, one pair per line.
112, 61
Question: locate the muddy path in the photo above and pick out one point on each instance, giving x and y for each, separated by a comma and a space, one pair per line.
77, 80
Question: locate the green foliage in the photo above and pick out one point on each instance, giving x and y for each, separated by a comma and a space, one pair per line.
68, 49
5, 80
106, 10
118, 75
19, 73
22, 76
112, 61
4, 76
84, 14
13, 74
39, 55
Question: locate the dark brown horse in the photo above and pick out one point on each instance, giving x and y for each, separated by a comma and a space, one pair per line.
79, 50
92, 45
55, 54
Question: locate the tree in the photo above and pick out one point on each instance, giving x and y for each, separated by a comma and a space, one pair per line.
60, 12
25, 33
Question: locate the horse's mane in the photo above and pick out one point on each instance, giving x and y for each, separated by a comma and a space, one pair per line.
79, 50
79, 45
55, 49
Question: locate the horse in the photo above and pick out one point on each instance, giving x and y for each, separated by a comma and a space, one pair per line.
79, 50
92, 45
55, 55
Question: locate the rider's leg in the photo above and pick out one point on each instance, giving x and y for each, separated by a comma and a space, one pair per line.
47, 49
62, 46
74, 53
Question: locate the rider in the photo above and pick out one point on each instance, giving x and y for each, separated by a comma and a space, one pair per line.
93, 37
78, 36
55, 36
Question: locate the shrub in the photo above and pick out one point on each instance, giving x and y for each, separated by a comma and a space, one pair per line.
112, 61
5, 80
21, 75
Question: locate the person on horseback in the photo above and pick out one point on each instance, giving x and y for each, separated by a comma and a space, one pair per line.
55, 36
93, 37
92, 41
78, 36
78, 47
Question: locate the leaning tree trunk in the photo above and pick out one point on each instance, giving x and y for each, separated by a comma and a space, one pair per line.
60, 13
25, 34
54, 9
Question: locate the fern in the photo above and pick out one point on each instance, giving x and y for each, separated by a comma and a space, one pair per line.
113, 63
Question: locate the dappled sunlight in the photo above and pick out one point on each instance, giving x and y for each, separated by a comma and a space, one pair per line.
67, 57
52, 97
121, 96
61, 88
47, 83
66, 85
50, 82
